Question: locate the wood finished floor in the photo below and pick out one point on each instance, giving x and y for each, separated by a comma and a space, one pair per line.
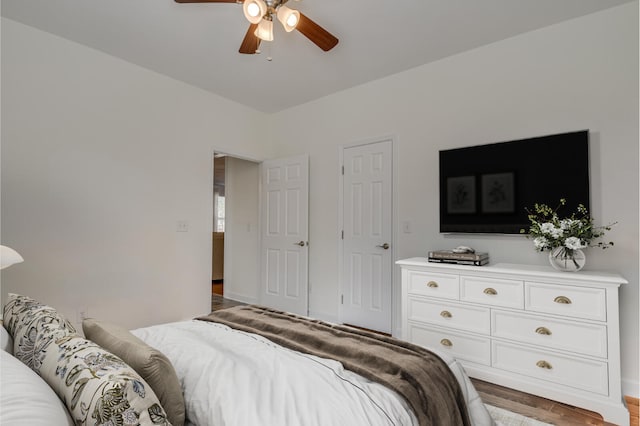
543, 409
528, 405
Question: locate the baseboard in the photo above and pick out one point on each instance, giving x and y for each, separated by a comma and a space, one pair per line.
631, 388
240, 297
324, 316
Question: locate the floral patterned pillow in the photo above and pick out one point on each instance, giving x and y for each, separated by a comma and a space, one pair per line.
97, 387
33, 327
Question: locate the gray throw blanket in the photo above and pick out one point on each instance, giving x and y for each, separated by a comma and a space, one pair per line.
415, 373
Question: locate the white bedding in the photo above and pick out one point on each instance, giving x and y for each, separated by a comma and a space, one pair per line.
232, 378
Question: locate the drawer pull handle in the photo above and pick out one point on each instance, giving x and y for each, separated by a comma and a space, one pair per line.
544, 331
562, 300
446, 342
544, 364
445, 314
432, 284
490, 291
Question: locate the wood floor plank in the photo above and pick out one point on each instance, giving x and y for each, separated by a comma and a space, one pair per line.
634, 408
543, 409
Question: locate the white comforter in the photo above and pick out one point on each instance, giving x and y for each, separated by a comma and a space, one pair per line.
232, 378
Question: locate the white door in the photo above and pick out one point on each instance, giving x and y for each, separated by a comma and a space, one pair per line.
284, 224
367, 252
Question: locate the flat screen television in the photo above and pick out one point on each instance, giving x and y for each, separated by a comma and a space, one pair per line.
487, 188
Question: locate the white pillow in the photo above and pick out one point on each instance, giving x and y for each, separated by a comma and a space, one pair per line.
6, 342
26, 399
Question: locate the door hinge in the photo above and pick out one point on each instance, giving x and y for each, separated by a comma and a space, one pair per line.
342, 234
342, 170
342, 299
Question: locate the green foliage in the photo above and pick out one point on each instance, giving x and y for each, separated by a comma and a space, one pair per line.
576, 231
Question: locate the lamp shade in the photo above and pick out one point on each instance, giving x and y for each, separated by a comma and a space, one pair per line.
288, 17
8, 257
254, 10
265, 30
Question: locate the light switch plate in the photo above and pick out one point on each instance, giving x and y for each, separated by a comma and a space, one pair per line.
406, 227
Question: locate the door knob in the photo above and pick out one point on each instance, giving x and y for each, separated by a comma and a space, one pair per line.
384, 246
300, 243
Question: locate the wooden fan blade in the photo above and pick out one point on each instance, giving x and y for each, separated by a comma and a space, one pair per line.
251, 42
314, 32
208, 1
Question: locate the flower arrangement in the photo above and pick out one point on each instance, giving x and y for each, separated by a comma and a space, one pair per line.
575, 232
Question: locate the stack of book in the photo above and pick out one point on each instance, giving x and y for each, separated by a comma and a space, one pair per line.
449, 256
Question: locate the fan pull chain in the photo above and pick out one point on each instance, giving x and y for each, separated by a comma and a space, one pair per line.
269, 58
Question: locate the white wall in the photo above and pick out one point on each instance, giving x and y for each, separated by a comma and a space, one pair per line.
100, 159
582, 74
241, 256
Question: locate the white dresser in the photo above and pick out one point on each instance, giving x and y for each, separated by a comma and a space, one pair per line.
531, 328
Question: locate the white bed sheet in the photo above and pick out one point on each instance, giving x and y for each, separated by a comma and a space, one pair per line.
233, 378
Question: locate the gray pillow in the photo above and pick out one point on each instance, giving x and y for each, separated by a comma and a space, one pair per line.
154, 367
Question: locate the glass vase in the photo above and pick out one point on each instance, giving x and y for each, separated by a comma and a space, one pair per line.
566, 260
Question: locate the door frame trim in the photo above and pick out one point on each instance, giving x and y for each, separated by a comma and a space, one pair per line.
395, 272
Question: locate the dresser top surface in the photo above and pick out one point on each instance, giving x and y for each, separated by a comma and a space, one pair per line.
541, 271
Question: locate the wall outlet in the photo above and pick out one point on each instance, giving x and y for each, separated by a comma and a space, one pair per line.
406, 227
182, 226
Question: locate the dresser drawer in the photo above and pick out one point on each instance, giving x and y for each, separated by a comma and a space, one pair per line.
578, 302
435, 285
440, 312
492, 291
578, 373
581, 338
459, 345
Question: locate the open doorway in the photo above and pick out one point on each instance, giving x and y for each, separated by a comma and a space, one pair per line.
217, 238
235, 262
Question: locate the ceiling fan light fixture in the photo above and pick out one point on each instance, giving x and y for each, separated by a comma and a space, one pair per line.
265, 30
288, 17
254, 10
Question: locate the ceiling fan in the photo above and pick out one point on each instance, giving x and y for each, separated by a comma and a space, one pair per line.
260, 14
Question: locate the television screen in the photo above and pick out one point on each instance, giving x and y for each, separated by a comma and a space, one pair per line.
487, 188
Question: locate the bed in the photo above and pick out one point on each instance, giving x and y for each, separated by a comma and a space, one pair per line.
236, 367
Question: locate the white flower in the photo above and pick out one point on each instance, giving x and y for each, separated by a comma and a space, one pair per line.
540, 242
550, 229
566, 224
547, 228
557, 233
574, 243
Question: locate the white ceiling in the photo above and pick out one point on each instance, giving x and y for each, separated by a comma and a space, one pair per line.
198, 43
